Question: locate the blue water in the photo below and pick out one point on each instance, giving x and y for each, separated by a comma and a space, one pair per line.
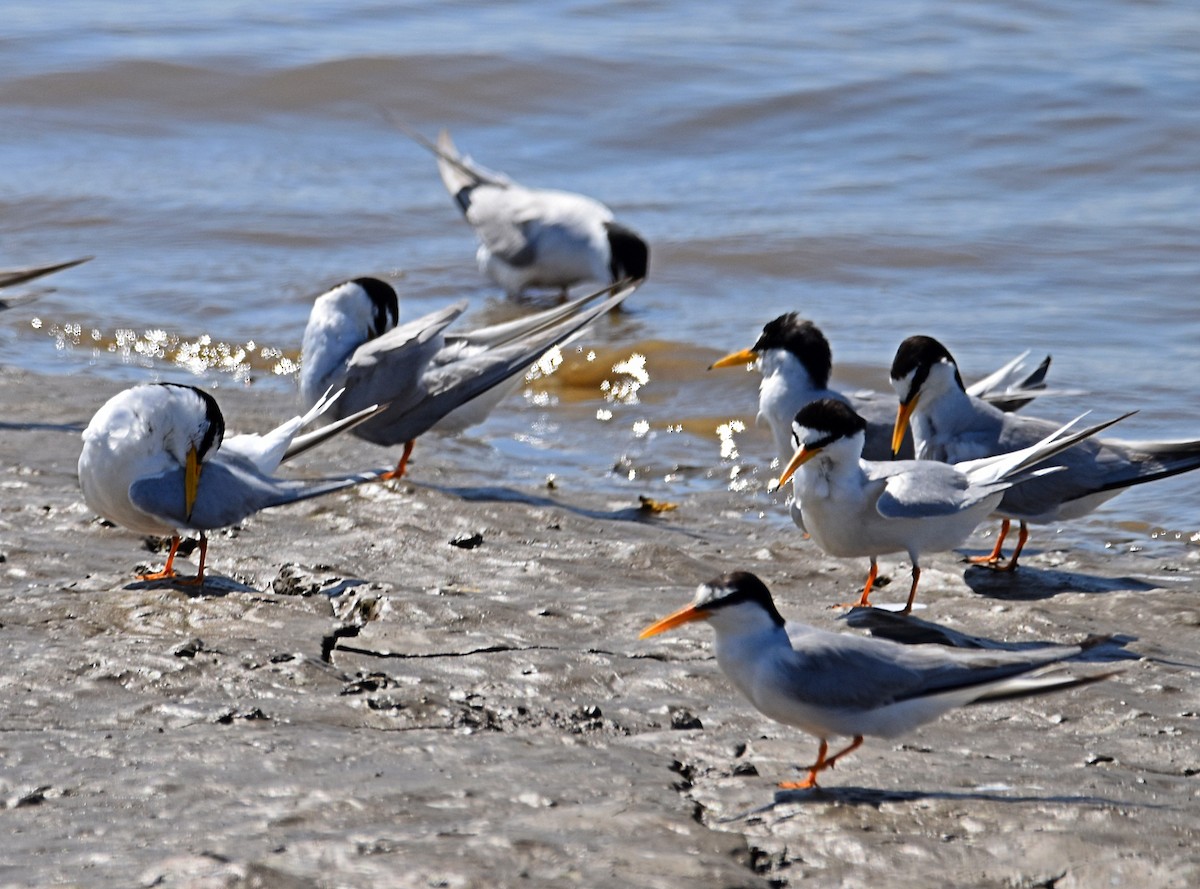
1002, 175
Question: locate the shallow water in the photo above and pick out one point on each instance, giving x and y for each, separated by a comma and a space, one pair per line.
1005, 176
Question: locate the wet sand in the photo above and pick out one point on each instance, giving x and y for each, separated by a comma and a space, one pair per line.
352, 699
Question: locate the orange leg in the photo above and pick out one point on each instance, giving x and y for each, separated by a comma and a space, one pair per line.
168, 570
912, 593
198, 580
997, 552
863, 603
821, 764
871, 575
398, 472
1021, 538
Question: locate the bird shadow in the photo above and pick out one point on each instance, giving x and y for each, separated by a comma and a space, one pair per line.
874, 797
640, 514
212, 585
1028, 584
909, 630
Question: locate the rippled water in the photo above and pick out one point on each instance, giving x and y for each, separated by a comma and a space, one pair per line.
1003, 175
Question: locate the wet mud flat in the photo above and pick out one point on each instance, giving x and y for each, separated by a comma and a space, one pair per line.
440, 684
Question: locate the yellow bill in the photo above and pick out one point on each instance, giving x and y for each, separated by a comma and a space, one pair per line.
902, 418
746, 356
802, 456
191, 480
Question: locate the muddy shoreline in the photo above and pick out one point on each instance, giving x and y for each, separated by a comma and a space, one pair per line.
441, 685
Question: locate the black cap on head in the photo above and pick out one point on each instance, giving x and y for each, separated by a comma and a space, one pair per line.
383, 298
736, 588
630, 255
835, 418
803, 339
916, 355
214, 430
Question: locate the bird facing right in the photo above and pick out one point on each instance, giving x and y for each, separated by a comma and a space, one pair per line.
537, 238
843, 685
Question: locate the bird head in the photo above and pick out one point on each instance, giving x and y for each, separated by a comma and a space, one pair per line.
819, 426
922, 370
738, 599
193, 428
789, 335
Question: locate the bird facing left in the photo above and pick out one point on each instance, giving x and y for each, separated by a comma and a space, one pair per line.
156, 460
840, 684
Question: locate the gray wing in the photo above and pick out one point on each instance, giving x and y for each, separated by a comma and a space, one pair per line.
1089, 467
506, 222
390, 368
20, 299
522, 328
460, 174
230, 491
11, 277
855, 672
497, 208
446, 386
921, 488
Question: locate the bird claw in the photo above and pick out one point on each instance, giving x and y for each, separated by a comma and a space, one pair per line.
806, 784
165, 574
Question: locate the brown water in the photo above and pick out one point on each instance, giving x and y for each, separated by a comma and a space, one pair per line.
1001, 175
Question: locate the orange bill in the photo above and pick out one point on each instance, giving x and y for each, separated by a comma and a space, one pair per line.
680, 617
746, 356
802, 456
902, 418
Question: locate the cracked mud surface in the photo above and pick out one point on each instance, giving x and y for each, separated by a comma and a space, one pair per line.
355, 701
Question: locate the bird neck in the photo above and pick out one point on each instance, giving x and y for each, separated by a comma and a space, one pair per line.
328, 343
837, 467
942, 416
786, 387
740, 651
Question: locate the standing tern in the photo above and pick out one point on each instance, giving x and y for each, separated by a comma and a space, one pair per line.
426, 379
795, 361
842, 685
950, 424
855, 507
535, 237
156, 460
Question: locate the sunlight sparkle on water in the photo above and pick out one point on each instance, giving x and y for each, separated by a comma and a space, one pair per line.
634, 376
156, 346
546, 365
725, 434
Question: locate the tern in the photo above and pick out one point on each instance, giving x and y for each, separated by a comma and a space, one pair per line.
842, 685
795, 361
950, 425
426, 378
156, 460
535, 237
853, 507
